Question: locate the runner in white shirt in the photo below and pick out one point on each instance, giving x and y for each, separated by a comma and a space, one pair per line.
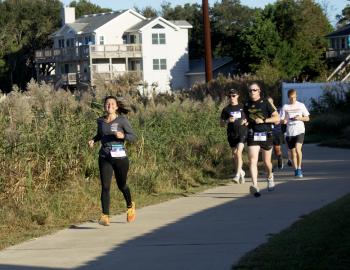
294, 115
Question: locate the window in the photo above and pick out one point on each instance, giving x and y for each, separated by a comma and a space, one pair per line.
61, 43
342, 43
158, 38
132, 39
158, 26
102, 40
159, 64
161, 38
334, 45
87, 40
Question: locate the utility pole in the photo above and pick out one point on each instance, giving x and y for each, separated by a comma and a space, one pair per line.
207, 41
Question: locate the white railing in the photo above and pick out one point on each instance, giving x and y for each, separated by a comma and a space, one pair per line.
341, 53
61, 54
107, 76
83, 52
117, 50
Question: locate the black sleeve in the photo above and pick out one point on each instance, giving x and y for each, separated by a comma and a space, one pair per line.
223, 114
243, 114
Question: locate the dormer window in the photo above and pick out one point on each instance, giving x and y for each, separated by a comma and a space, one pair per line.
158, 26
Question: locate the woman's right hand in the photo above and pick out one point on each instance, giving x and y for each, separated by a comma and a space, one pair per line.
91, 143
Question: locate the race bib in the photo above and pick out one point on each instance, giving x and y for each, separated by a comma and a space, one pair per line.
114, 127
236, 114
118, 150
260, 136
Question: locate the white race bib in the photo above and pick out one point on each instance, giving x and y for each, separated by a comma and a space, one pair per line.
236, 114
118, 150
114, 127
259, 136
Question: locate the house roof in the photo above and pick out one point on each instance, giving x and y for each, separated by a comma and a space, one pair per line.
95, 21
178, 23
181, 23
197, 66
139, 25
89, 23
343, 31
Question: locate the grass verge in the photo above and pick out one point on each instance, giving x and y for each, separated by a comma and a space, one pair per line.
321, 240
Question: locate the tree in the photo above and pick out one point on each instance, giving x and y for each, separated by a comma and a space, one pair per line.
193, 14
289, 36
148, 12
344, 17
85, 7
24, 27
228, 19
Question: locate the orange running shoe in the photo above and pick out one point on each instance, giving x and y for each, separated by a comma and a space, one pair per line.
104, 220
131, 213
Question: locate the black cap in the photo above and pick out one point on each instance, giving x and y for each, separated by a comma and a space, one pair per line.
232, 91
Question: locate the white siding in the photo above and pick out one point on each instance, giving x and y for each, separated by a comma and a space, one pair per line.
113, 30
175, 51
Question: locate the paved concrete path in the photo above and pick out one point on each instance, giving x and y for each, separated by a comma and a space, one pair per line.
209, 230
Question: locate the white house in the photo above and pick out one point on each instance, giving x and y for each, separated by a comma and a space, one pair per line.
103, 46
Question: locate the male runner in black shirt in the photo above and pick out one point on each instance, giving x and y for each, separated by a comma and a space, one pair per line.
260, 114
233, 116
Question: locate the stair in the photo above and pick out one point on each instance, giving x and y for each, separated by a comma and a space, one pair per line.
341, 69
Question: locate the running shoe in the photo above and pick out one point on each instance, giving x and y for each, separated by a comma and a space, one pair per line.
236, 179
104, 220
280, 163
255, 191
299, 173
270, 183
289, 163
242, 175
296, 171
131, 213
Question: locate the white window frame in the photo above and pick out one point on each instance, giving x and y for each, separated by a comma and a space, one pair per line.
158, 38
160, 64
102, 40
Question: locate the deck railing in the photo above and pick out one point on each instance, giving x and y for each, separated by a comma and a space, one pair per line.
84, 52
339, 53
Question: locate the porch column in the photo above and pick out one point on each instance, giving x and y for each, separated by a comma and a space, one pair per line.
110, 69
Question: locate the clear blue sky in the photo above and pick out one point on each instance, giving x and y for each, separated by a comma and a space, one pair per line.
333, 7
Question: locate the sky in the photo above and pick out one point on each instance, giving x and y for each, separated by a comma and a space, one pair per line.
333, 7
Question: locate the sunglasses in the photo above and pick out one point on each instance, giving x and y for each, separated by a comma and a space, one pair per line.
234, 95
254, 90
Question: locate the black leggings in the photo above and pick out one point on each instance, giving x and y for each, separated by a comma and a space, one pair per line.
120, 166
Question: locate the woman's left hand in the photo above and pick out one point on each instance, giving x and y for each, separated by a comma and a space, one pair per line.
119, 135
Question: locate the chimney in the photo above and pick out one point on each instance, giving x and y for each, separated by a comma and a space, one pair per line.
68, 15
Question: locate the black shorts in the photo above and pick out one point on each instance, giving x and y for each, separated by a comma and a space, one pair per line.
266, 145
278, 138
293, 140
234, 141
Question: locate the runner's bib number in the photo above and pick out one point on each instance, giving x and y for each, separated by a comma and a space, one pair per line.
260, 136
236, 114
118, 150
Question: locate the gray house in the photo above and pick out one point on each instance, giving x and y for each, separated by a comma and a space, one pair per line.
196, 74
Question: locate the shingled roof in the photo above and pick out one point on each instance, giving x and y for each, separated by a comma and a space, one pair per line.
343, 31
89, 23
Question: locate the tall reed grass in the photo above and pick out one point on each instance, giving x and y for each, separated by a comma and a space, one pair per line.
49, 176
